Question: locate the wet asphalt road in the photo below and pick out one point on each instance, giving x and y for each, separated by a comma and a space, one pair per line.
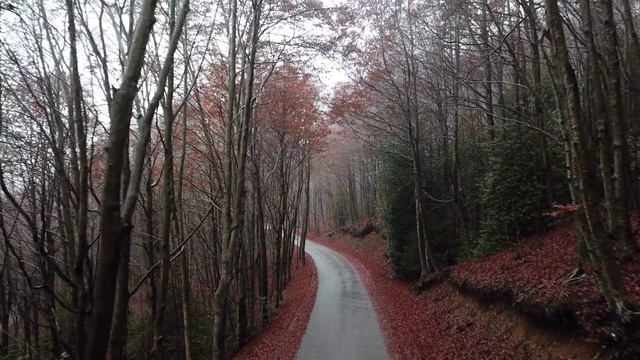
343, 324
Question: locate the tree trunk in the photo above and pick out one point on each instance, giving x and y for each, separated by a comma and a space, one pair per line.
305, 212
263, 287
425, 267
185, 279
113, 229
5, 292
149, 242
119, 331
115, 220
632, 65
242, 301
235, 201
621, 183
76, 120
606, 270
488, 76
168, 205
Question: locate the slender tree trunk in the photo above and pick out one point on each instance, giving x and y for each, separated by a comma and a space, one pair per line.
5, 292
242, 301
538, 107
601, 255
119, 331
351, 189
419, 201
185, 278
632, 65
488, 75
456, 183
235, 189
115, 220
27, 331
621, 182
229, 232
113, 229
168, 203
4, 318
305, 213
316, 225
149, 244
599, 110
263, 287
82, 185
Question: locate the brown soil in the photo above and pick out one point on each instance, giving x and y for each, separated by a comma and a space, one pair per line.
528, 339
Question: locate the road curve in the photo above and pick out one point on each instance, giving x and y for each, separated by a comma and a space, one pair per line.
343, 324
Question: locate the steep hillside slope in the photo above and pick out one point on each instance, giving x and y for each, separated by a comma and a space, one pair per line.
514, 304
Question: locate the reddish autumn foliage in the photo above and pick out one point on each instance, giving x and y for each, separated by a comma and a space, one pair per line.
533, 275
288, 106
348, 99
282, 338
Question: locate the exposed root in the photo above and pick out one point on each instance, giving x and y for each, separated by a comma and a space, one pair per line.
575, 276
428, 281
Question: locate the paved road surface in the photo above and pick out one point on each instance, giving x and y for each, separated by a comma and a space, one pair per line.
343, 324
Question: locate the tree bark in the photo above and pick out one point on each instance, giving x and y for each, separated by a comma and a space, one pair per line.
235, 190
119, 331
76, 120
263, 282
601, 255
115, 221
621, 224
305, 212
228, 232
185, 278
168, 203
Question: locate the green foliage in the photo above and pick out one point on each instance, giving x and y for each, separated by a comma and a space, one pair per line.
13, 351
140, 338
396, 206
441, 230
339, 206
514, 195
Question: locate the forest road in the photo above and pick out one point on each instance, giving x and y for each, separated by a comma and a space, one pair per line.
343, 324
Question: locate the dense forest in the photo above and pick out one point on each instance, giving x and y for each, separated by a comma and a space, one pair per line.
159, 159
